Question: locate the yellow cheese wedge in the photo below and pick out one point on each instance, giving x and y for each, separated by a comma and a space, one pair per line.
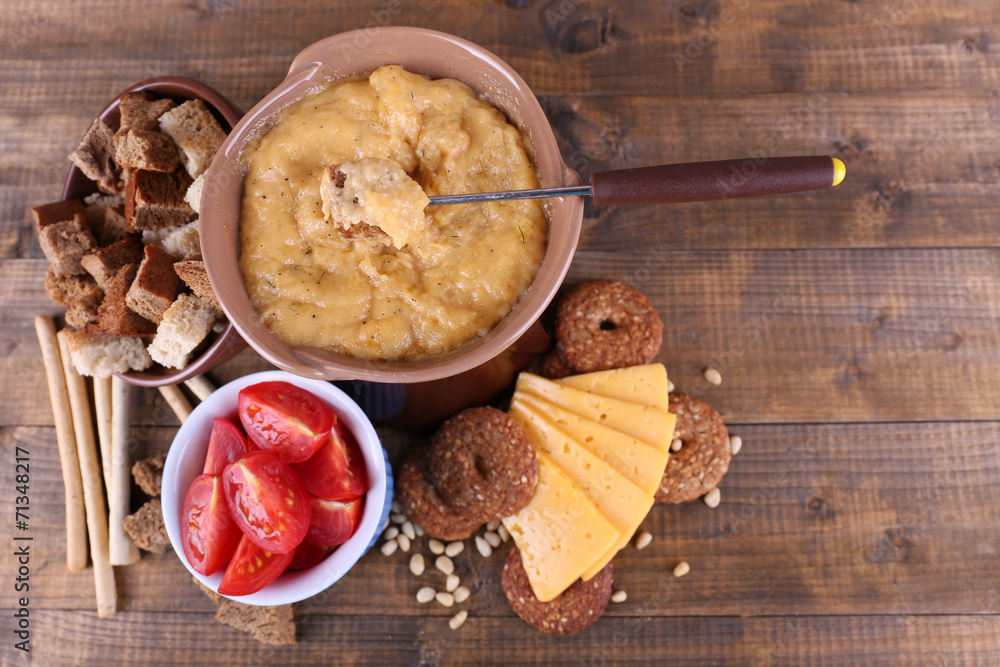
641, 462
560, 532
623, 503
640, 384
640, 421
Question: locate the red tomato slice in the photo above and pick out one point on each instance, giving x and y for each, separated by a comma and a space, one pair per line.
285, 420
208, 532
267, 501
252, 568
307, 554
225, 445
337, 470
333, 522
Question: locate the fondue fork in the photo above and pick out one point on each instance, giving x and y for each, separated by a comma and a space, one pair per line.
687, 182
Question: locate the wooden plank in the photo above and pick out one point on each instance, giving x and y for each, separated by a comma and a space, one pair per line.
815, 519
910, 158
558, 47
813, 335
194, 638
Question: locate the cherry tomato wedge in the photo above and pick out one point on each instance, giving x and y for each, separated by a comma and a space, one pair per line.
337, 470
208, 532
252, 568
285, 420
267, 501
307, 554
333, 522
225, 445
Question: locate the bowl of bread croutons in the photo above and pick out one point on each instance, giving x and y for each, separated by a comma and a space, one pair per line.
123, 243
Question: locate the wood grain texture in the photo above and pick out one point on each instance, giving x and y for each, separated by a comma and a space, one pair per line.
856, 330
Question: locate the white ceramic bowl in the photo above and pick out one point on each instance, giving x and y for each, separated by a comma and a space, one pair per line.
186, 460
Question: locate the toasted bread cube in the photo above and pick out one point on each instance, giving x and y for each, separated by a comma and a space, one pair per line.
114, 317
100, 355
193, 194
148, 474
155, 285
183, 242
65, 243
95, 158
154, 200
268, 625
146, 527
192, 272
105, 263
57, 211
146, 149
140, 111
185, 324
196, 132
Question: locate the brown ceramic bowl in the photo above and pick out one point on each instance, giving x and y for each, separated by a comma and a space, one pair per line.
77, 186
434, 54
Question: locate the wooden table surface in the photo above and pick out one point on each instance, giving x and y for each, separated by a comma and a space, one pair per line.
856, 330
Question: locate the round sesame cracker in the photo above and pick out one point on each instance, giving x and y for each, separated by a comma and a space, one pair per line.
482, 464
704, 457
578, 607
422, 504
604, 324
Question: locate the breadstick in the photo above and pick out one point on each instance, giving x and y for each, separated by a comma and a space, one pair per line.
123, 549
102, 406
201, 386
177, 401
93, 492
76, 522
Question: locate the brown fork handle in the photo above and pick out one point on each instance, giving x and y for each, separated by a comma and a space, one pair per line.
704, 181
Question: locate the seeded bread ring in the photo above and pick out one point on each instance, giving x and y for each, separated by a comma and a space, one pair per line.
578, 607
422, 504
554, 367
703, 459
605, 324
483, 464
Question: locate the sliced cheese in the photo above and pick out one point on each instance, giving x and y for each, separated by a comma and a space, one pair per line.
623, 503
640, 421
560, 532
640, 384
641, 462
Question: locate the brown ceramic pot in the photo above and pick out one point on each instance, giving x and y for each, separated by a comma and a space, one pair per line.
77, 186
434, 54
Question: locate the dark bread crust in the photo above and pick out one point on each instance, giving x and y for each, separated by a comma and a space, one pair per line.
65, 243
114, 317
155, 284
57, 211
95, 158
154, 200
105, 263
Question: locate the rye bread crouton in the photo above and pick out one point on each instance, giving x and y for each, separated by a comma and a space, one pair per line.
65, 243
193, 194
105, 263
140, 110
148, 473
67, 289
146, 149
57, 211
155, 284
196, 132
100, 355
192, 272
97, 204
115, 228
268, 625
84, 311
185, 324
114, 317
95, 158
154, 200
146, 528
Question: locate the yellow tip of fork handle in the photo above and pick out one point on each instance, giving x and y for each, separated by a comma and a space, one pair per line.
839, 172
